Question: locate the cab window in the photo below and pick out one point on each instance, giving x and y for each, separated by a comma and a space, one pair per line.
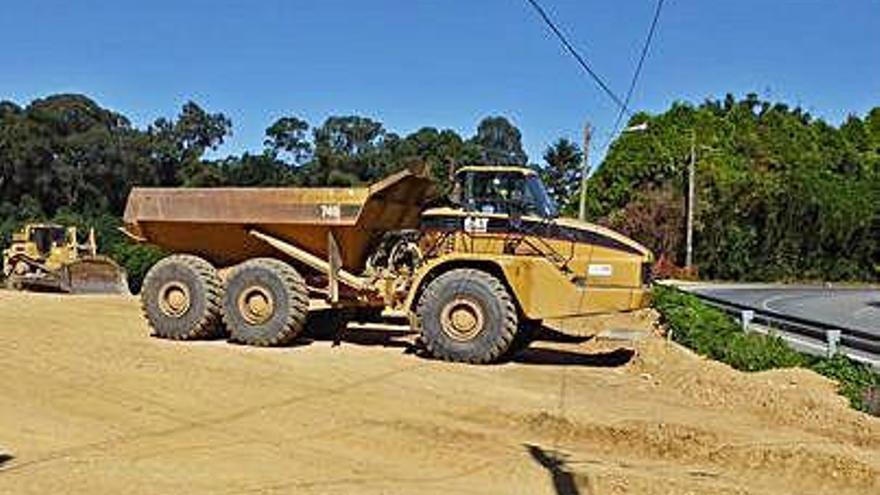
506, 193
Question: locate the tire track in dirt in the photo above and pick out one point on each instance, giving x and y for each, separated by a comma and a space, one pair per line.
374, 480
212, 423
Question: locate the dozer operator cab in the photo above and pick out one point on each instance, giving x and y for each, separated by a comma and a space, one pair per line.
503, 190
45, 237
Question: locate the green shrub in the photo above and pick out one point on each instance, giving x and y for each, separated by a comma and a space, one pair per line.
714, 334
856, 381
137, 260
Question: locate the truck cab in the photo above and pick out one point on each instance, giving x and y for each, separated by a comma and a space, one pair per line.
503, 219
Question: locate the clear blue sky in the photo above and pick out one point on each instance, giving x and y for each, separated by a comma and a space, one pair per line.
444, 63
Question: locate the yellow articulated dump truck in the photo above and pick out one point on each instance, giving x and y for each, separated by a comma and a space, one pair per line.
49, 257
473, 273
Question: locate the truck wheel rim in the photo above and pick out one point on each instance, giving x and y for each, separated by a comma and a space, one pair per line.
462, 319
174, 299
256, 305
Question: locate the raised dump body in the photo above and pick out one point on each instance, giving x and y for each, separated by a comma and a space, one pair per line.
214, 223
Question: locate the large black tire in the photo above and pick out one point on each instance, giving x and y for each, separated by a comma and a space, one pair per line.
467, 315
266, 303
526, 333
181, 298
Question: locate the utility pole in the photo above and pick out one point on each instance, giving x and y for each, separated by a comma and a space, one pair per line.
588, 133
689, 240
690, 198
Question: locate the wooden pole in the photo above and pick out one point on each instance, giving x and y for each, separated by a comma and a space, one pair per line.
582, 211
689, 234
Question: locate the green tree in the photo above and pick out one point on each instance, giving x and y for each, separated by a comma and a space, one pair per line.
441, 151
178, 146
348, 150
289, 135
499, 142
561, 173
66, 151
780, 194
261, 170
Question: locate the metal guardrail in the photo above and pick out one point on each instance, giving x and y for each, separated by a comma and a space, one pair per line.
811, 336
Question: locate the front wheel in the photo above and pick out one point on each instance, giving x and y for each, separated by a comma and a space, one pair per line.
467, 315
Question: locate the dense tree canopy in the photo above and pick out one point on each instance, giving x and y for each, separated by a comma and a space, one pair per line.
780, 194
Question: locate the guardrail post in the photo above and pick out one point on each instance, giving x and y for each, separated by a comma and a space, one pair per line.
746, 317
832, 337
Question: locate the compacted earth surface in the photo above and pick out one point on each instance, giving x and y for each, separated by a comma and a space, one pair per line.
91, 404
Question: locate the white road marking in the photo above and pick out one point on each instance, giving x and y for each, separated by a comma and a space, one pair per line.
766, 302
864, 312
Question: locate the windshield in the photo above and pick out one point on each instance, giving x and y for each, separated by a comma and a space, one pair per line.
46, 237
506, 192
544, 204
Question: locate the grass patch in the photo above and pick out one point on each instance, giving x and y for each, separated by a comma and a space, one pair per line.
714, 334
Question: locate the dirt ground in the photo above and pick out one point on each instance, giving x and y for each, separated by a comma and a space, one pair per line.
90, 404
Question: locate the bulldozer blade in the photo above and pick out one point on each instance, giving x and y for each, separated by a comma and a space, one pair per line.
95, 275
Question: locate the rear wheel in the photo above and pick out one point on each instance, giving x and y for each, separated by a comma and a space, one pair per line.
266, 302
181, 298
467, 315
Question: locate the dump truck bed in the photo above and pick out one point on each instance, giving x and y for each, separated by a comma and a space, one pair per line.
215, 222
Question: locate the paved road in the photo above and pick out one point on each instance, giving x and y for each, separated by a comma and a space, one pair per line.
857, 309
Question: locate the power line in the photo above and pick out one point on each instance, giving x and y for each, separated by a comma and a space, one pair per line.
579, 58
632, 83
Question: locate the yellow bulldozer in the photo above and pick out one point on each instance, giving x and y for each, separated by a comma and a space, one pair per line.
49, 257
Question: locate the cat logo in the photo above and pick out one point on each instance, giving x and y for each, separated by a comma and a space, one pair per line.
476, 224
